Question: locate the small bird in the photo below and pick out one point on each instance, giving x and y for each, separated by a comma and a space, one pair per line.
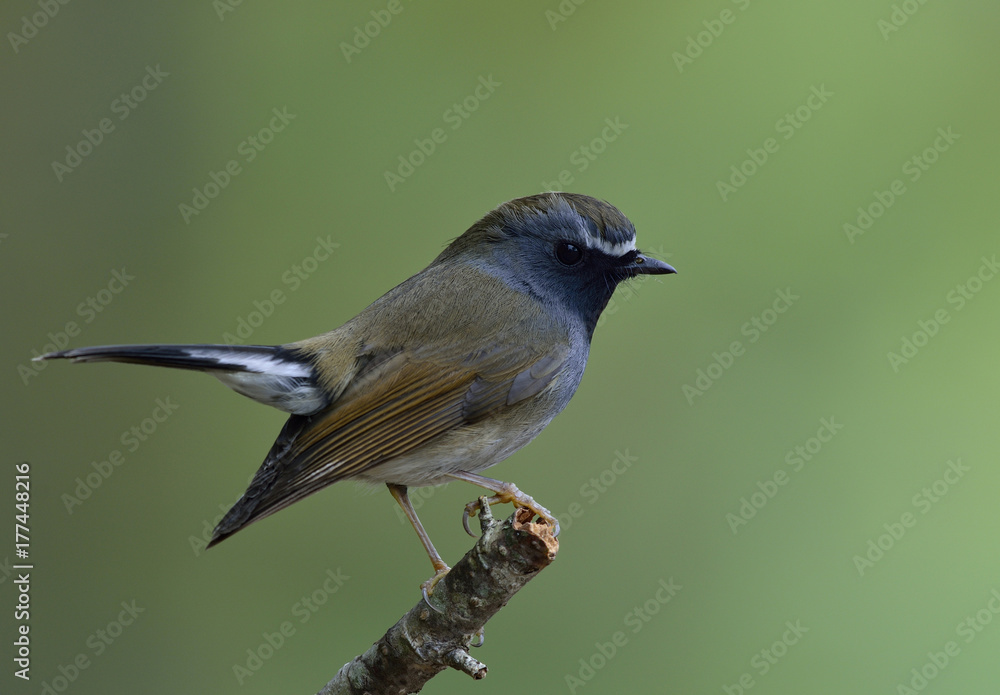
445, 375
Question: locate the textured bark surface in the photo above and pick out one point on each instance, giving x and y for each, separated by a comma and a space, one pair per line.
425, 641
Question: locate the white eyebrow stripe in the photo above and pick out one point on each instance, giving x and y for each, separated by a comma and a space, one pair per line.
612, 249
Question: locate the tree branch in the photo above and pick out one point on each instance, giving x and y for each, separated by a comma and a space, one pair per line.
425, 641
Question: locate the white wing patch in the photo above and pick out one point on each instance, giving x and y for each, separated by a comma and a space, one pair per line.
283, 384
293, 394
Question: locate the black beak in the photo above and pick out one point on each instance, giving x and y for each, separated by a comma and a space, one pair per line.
644, 265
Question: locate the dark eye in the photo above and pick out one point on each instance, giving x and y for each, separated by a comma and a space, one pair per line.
568, 254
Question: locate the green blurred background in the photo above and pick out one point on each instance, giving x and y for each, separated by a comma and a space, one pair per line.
693, 89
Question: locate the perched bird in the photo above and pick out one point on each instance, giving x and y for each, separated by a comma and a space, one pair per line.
445, 375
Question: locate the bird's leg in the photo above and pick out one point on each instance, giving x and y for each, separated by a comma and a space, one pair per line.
502, 493
399, 492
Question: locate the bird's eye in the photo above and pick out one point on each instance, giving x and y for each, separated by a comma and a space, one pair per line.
568, 254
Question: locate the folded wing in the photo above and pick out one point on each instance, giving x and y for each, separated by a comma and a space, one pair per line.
393, 410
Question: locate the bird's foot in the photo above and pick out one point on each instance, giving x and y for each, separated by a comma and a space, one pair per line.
508, 492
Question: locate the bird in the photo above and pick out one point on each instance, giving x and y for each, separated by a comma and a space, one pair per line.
442, 377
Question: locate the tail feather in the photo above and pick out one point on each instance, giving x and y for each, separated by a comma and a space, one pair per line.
236, 358
272, 375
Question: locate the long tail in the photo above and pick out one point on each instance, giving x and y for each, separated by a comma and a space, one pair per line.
238, 358
272, 375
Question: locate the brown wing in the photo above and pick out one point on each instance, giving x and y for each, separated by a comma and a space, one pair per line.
393, 410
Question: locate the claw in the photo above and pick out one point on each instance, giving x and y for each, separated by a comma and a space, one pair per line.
482, 638
427, 588
465, 520
427, 600
482, 505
